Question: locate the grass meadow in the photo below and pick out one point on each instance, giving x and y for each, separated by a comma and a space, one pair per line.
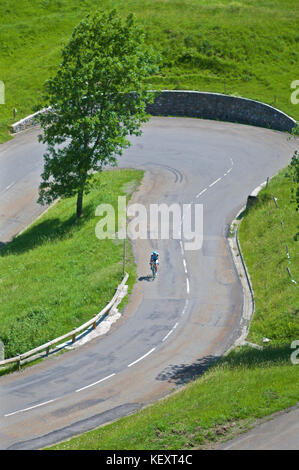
57, 274
264, 244
244, 48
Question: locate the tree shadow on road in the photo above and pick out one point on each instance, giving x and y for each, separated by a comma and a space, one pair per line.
181, 374
244, 357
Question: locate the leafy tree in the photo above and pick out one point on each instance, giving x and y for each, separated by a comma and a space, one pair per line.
97, 98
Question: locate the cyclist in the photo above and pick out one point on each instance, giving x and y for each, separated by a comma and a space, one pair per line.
155, 259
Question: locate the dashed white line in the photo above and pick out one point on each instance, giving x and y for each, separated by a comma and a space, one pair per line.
201, 192
185, 307
9, 186
171, 331
214, 182
30, 408
95, 383
140, 359
185, 266
168, 334
188, 286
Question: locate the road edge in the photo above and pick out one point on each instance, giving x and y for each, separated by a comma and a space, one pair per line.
242, 270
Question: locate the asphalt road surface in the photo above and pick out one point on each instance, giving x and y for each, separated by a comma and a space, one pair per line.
278, 433
173, 327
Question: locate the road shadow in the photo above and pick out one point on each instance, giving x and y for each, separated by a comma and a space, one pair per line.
245, 357
48, 230
146, 278
181, 374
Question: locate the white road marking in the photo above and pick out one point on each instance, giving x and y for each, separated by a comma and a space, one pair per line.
201, 192
9, 186
182, 247
188, 287
216, 181
171, 331
185, 307
185, 266
95, 383
140, 359
30, 408
165, 337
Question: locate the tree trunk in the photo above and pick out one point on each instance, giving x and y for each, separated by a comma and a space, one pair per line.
79, 203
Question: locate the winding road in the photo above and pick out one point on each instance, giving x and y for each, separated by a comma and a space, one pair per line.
173, 327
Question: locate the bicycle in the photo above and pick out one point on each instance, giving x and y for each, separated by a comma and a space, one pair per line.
153, 268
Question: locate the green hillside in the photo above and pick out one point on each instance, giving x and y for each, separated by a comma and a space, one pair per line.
248, 47
57, 274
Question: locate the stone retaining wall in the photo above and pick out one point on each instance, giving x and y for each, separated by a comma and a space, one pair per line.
206, 106
220, 107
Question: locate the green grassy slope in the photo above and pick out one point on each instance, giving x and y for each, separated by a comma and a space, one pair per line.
58, 274
246, 47
264, 244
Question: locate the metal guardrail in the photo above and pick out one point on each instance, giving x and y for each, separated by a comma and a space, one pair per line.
72, 333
